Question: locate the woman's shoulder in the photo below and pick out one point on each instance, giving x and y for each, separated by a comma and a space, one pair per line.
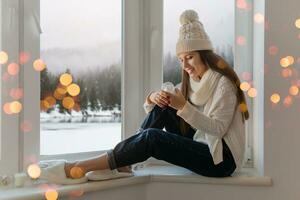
226, 84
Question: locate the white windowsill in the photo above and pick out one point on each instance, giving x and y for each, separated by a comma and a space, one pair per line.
155, 173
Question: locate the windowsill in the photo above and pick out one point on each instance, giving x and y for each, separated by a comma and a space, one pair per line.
155, 173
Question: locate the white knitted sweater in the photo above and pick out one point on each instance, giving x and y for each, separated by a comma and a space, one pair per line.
221, 118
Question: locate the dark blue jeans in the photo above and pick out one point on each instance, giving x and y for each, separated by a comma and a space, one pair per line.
170, 146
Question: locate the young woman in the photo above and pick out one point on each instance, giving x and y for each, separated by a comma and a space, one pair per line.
204, 124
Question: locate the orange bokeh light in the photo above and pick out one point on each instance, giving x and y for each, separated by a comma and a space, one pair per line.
252, 92
73, 89
245, 86
51, 194
68, 102
65, 79
13, 69
294, 90
6, 109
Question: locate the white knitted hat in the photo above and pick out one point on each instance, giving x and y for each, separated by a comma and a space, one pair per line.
192, 35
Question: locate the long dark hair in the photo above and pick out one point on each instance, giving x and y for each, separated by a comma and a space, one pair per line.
218, 64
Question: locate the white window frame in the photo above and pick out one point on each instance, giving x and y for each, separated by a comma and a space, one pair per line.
132, 73
142, 72
9, 162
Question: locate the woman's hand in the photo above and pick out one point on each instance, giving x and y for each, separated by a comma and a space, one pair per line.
177, 100
160, 98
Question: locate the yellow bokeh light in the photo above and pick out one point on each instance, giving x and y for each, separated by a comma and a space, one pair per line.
39, 65
297, 23
73, 89
76, 172
291, 59
15, 107
51, 194
3, 57
252, 92
65, 79
294, 90
275, 98
13, 69
259, 18
68, 102
245, 86
34, 171
284, 62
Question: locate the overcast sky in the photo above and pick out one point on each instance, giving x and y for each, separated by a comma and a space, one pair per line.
90, 25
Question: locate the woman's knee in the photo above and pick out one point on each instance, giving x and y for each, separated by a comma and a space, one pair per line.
151, 133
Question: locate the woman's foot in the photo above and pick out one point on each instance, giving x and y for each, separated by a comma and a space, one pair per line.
125, 169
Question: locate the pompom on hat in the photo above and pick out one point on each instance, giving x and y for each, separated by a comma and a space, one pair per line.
192, 36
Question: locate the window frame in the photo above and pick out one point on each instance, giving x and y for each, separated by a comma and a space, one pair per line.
131, 73
142, 63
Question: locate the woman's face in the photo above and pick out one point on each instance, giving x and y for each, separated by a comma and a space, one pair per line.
192, 64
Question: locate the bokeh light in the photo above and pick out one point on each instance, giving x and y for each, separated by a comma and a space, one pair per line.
288, 101
16, 93
15, 107
13, 69
241, 40
297, 23
62, 90
3, 57
259, 18
44, 105
73, 89
242, 4
285, 62
252, 92
246, 76
76, 172
294, 90
273, 50
76, 193
5, 77
221, 64
51, 194
50, 100
245, 86
24, 58
243, 107
68, 102
39, 65
34, 171
291, 59
286, 72
65, 79
6, 109
275, 98
26, 126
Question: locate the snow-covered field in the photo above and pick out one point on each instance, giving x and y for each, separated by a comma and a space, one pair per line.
62, 133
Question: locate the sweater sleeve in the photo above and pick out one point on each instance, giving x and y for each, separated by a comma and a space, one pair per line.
220, 118
149, 106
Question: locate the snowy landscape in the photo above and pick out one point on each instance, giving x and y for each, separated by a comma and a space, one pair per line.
65, 133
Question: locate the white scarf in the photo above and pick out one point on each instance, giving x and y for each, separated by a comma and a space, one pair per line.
200, 91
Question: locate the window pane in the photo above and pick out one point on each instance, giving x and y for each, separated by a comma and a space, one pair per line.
81, 38
218, 20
